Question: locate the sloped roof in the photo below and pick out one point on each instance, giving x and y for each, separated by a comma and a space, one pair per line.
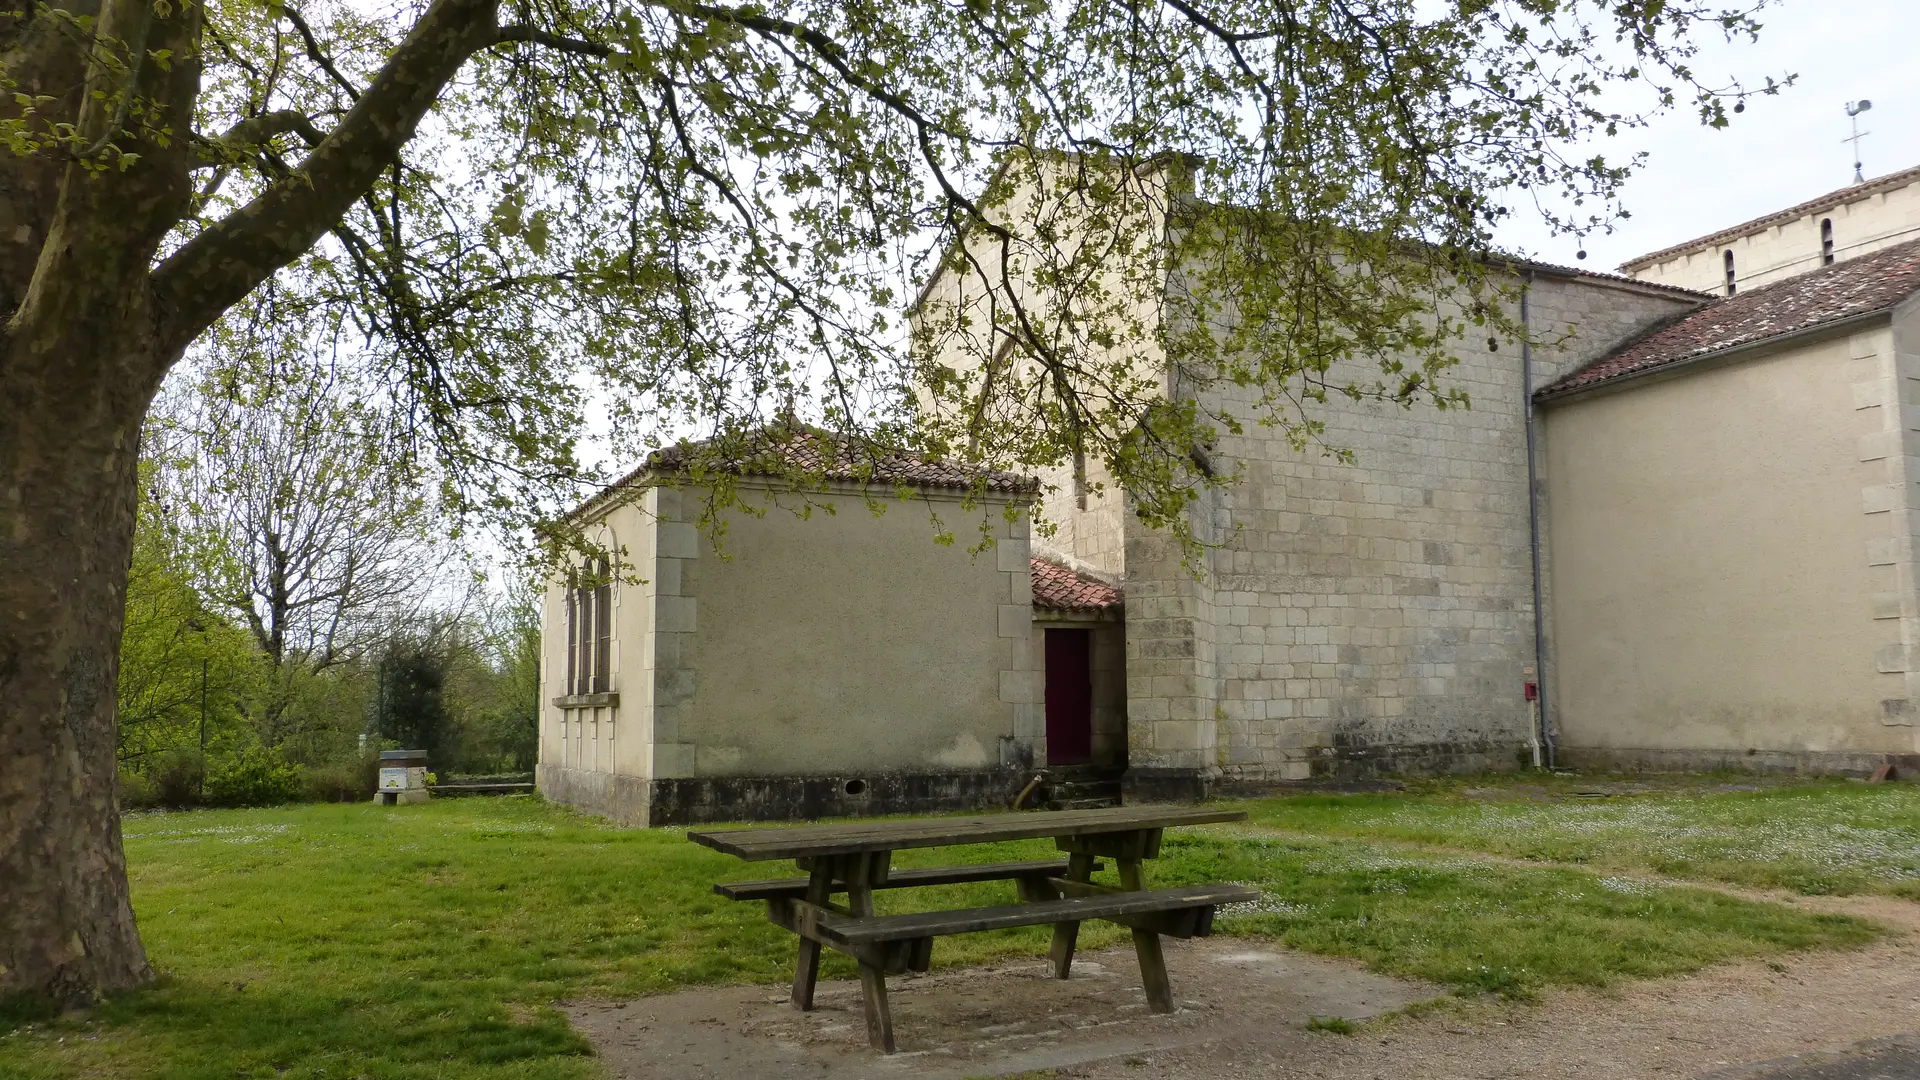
1860, 286
781, 450
1832, 199
1058, 588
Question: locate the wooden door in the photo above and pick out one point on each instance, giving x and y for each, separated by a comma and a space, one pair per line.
1069, 697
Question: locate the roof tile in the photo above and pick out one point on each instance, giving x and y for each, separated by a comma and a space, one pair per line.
1057, 588
1860, 286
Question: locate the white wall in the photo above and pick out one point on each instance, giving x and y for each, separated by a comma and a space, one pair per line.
1723, 576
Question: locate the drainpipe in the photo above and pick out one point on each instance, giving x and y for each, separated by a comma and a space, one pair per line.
1544, 731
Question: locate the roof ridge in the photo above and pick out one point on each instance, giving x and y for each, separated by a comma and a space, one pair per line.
807, 448
1836, 197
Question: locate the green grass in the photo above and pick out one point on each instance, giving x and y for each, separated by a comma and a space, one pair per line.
1831, 837
435, 941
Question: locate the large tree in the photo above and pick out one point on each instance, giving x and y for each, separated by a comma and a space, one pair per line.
697, 209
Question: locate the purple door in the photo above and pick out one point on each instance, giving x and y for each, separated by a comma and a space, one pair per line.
1069, 697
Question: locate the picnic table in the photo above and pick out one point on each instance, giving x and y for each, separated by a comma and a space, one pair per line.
856, 859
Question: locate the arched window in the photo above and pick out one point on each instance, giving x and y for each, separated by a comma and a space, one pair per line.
1729, 261
590, 632
1826, 241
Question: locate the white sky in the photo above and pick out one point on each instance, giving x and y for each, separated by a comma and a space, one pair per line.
1783, 150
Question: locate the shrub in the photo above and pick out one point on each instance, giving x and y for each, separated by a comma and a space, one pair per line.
176, 783
257, 776
347, 781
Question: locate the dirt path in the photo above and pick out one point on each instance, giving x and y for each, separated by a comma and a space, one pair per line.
1711, 1022
1245, 1007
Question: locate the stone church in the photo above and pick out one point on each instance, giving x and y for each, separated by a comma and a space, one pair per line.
1687, 536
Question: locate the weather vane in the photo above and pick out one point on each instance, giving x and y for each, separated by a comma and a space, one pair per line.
1854, 109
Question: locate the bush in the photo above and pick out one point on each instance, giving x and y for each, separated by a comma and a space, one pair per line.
170, 782
176, 784
350, 781
258, 776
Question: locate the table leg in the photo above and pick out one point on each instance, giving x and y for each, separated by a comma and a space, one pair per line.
1067, 934
1146, 945
863, 872
806, 969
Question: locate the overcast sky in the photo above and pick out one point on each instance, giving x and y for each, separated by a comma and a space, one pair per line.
1783, 150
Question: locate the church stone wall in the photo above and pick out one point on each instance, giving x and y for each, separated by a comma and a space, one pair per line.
1372, 616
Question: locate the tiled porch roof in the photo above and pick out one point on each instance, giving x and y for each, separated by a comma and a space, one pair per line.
1057, 588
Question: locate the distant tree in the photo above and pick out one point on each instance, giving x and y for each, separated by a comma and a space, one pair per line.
510, 720
410, 704
695, 208
275, 467
186, 669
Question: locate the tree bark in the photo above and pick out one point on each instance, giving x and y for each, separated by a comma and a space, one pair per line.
68, 454
93, 328
80, 359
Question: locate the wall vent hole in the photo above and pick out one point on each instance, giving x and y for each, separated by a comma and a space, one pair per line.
856, 787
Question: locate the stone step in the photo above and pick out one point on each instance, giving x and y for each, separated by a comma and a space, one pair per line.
1084, 789
1082, 804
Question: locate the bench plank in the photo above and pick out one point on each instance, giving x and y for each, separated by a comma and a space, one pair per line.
837, 929
900, 879
812, 841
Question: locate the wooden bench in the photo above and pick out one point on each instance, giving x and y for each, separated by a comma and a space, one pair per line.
1027, 873
855, 859
1183, 912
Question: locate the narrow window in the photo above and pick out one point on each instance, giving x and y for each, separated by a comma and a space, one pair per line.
602, 630
1729, 261
573, 642
1826, 241
583, 645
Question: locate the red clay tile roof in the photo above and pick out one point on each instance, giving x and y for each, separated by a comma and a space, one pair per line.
1056, 588
1832, 199
832, 457
1860, 286
821, 455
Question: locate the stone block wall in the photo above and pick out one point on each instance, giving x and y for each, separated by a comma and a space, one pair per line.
1372, 616
1886, 397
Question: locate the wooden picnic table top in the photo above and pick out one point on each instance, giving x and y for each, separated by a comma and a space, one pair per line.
853, 838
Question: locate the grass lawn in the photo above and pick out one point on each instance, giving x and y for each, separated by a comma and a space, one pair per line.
1818, 838
433, 941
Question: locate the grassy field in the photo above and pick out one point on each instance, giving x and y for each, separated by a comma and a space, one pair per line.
1823, 838
434, 941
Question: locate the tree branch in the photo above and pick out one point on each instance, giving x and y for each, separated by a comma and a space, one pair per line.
519, 32
318, 55
255, 130
217, 268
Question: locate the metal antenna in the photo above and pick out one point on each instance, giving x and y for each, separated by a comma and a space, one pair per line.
1854, 109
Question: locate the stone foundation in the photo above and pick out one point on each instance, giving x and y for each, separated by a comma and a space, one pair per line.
699, 800
619, 798
1770, 762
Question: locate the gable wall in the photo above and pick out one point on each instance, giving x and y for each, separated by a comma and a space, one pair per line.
599, 758
1733, 561
1766, 255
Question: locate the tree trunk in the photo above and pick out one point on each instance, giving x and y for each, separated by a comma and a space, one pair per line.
70, 414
